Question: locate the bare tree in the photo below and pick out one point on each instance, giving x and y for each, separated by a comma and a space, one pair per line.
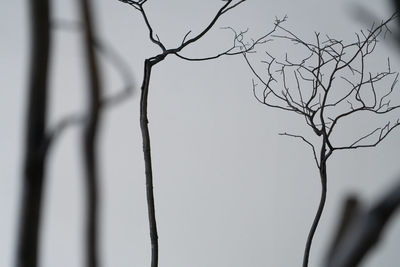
328, 85
237, 48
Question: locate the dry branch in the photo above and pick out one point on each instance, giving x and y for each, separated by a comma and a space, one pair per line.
308, 86
188, 39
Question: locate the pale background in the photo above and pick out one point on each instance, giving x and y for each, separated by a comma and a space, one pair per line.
229, 191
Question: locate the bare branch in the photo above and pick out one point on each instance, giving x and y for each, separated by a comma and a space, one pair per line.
148, 64
233, 6
138, 5
225, 8
238, 47
307, 142
186, 35
319, 98
371, 37
383, 133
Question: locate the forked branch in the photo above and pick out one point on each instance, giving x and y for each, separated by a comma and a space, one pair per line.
330, 83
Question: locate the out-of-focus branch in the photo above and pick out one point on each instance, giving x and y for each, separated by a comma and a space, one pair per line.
56, 131
35, 129
122, 68
363, 230
112, 58
351, 208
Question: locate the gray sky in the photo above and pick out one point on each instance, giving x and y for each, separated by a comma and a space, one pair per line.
229, 191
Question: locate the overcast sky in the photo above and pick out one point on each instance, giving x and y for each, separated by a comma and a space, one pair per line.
229, 190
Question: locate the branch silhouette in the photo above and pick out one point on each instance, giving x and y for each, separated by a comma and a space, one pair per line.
360, 228
188, 39
40, 136
309, 87
35, 158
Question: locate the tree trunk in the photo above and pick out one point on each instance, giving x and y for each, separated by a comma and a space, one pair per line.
323, 177
147, 159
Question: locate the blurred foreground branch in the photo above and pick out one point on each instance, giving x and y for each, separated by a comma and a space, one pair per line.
361, 229
35, 129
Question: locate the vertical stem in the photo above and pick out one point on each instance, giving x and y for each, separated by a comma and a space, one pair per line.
323, 176
147, 160
90, 135
35, 155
